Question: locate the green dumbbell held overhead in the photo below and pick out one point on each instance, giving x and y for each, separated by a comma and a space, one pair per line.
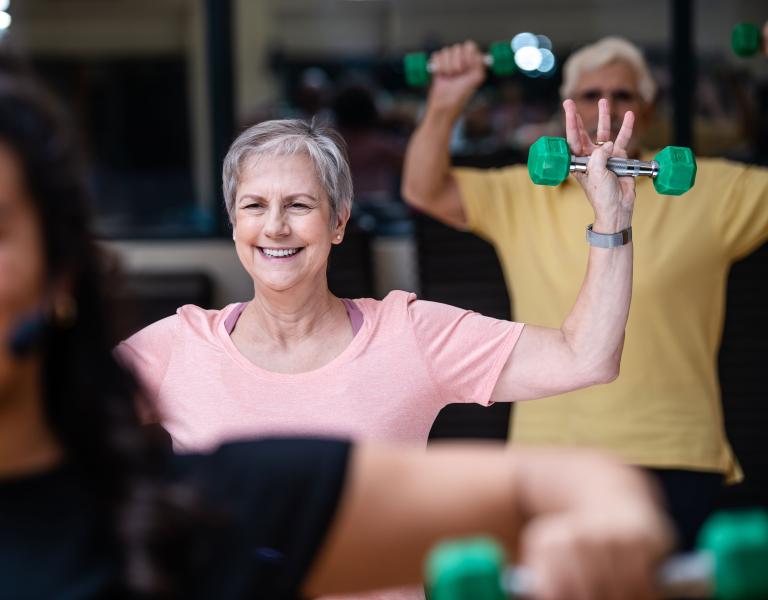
418, 69
746, 39
731, 563
673, 169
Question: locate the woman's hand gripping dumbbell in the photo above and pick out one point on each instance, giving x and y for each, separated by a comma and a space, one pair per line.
673, 169
731, 563
550, 161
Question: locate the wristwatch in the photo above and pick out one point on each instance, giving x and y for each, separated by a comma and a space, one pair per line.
609, 240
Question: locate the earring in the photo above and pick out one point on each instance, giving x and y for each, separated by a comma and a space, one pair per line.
65, 311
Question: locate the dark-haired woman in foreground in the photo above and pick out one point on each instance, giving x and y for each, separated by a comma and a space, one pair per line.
92, 506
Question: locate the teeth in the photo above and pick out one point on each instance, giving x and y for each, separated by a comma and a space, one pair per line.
281, 252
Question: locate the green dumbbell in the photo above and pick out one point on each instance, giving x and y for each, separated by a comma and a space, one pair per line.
731, 563
746, 39
673, 169
418, 69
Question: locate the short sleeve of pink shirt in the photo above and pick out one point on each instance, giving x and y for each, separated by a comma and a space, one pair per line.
147, 354
408, 360
464, 351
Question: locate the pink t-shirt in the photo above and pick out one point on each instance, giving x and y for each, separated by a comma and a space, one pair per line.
409, 359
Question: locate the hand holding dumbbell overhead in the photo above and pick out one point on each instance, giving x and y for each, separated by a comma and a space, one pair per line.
456, 73
549, 161
418, 68
614, 204
673, 170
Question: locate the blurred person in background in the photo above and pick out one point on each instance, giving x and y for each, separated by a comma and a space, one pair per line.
375, 158
312, 95
664, 410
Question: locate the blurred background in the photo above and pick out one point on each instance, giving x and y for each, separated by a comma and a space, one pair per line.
160, 88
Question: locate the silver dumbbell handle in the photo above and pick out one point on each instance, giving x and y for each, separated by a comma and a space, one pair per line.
682, 576
623, 167
687, 576
487, 61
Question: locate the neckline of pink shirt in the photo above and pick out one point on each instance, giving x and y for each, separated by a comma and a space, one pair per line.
229, 319
353, 312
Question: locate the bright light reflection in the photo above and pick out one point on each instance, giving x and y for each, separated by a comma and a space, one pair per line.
547, 60
521, 40
544, 42
528, 58
5, 20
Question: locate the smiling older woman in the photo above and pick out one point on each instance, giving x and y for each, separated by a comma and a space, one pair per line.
296, 359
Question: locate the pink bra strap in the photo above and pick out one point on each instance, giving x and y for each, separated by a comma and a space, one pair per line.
355, 315
231, 321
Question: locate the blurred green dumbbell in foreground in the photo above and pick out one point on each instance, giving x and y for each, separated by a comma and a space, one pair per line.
731, 563
673, 169
746, 39
418, 69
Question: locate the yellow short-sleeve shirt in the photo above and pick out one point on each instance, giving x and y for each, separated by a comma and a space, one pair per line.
664, 409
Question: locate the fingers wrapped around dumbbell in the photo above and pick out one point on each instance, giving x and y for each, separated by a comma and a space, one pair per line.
456, 60
598, 162
568, 560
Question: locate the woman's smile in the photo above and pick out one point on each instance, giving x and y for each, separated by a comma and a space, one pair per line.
283, 231
279, 254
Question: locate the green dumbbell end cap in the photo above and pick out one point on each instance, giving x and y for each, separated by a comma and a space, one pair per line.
677, 171
739, 543
503, 58
416, 72
746, 39
549, 161
465, 570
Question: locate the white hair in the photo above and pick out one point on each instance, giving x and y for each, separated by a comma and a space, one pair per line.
324, 146
601, 53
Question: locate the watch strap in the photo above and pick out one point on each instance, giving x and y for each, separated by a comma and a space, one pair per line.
609, 240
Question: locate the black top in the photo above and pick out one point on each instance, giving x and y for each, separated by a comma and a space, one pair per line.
274, 502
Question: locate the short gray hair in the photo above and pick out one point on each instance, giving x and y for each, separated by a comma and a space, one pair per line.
603, 52
324, 146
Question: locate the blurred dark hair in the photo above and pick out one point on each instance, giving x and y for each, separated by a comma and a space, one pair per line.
90, 400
